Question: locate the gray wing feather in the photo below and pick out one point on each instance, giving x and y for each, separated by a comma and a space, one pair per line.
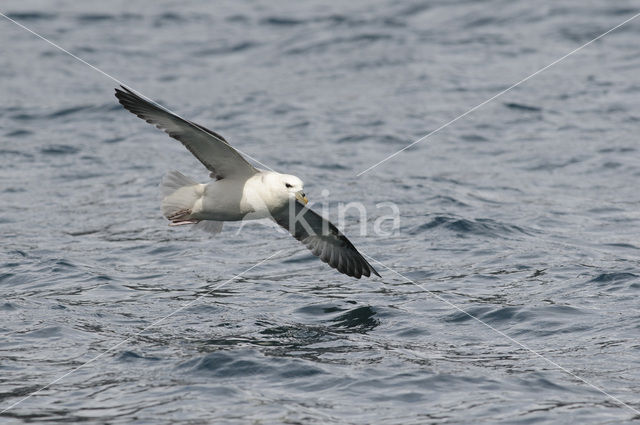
209, 147
324, 240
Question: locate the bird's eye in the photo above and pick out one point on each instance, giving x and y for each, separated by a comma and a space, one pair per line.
288, 185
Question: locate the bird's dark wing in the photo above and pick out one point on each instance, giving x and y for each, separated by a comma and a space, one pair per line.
208, 146
324, 240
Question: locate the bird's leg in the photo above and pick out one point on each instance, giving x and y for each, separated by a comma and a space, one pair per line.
180, 223
180, 217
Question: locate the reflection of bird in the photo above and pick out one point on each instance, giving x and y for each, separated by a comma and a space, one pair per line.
241, 191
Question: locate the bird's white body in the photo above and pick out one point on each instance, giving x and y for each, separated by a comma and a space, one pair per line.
232, 199
226, 200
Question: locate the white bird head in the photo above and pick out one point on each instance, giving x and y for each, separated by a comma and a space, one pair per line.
286, 187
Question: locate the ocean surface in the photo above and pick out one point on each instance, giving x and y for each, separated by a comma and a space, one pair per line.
525, 214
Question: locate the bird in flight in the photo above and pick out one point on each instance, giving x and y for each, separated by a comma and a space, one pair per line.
239, 191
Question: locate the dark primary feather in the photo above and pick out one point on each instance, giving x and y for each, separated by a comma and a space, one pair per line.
324, 240
209, 147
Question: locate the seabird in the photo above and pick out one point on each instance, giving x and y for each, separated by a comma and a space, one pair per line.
239, 191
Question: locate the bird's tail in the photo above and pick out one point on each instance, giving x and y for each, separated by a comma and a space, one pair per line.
179, 196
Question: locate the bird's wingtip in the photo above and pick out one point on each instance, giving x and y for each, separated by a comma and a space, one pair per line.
123, 89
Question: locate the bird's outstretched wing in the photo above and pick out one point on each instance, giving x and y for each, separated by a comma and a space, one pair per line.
208, 146
324, 240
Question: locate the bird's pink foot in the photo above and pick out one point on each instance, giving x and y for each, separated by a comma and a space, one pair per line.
181, 217
180, 223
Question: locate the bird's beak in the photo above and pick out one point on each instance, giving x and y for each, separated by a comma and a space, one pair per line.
300, 196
